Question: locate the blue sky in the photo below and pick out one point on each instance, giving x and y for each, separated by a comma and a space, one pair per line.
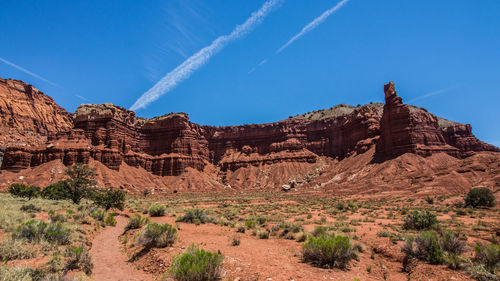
444, 55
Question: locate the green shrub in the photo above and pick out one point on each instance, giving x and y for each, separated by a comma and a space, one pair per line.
261, 220
236, 241
25, 191
420, 220
56, 263
301, 236
56, 191
319, 231
30, 208
36, 230
328, 250
98, 215
16, 250
8, 273
240, 227
262, 233
197, 264
136, 221
194, 216
424, 247
451, 243
58, 218
479, 197
79, 259
480, 273
384, 233
489, 256
454, 261
31, 230
109, 198
428, 246
289, 229
56, 233
110, 220
157, 235
157, 210
249, 224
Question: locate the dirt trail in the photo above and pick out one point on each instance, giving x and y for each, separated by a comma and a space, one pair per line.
110, 263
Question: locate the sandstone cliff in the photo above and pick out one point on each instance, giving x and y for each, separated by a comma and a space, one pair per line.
297, 149
27, 116
409, 129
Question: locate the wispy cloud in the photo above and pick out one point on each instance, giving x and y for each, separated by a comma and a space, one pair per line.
262, 62
306, 29
27, 72
433, 93
184, 70
312, 25
82, 98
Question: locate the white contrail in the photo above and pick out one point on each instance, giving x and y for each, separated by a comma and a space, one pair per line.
310, 26
82, 97
264, 61
433, 93
28, 72
184, 70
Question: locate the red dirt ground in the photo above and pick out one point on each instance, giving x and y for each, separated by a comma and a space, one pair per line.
109, 262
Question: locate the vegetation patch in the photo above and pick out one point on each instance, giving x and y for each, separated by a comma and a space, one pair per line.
195, 216
157, 235
328, 250
480, 197
197, 264
420, 220
157, 210
36, 231
136, 221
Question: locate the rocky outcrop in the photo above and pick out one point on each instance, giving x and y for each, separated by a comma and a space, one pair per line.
168, 145
461, 137
409, 129
28, 116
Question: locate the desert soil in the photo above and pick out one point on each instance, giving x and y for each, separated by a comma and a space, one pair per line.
110, 264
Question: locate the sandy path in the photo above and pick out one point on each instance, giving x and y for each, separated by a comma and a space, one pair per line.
110, 264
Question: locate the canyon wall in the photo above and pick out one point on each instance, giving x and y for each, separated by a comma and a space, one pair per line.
28, 116
169, 144
409, 129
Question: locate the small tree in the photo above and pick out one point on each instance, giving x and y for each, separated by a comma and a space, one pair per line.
22, 190
480, 197
109, 198
56, 191
81, 179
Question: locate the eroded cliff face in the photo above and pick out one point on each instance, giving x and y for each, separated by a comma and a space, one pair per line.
409, 129
262, 155
27, 116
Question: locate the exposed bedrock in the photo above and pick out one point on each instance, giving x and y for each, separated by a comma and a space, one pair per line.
28, 116
169, 144
409, 129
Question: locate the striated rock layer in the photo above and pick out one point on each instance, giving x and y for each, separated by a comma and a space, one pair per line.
409, 129
170, 144
28, 116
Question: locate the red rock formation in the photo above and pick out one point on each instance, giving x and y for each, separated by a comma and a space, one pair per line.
27, 116
170, 144
409, 129
461, 137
